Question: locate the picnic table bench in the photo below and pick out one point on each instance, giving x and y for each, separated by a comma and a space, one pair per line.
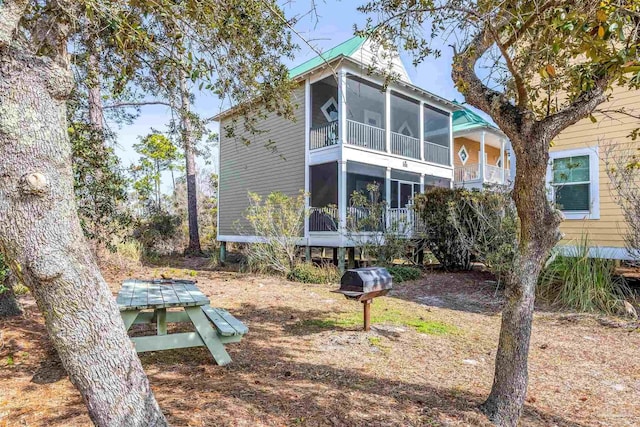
156, 296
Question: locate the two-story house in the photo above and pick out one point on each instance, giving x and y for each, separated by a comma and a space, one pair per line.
348, 132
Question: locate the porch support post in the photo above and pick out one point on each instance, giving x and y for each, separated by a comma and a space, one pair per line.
502, 161
421, 106
387, 119
223, 252
387, 195
342, 106
342, 196
307, 168
341, 259
351, 253
307, 254
421, 183
481, 162
335, 256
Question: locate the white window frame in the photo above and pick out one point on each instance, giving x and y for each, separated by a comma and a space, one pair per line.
327, 104
594, 181
464, 161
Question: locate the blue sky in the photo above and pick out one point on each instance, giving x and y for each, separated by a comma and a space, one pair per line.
333, 24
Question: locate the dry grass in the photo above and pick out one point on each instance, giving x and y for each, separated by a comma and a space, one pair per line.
428, 361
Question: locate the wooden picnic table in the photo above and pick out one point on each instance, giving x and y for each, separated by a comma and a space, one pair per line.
156, 296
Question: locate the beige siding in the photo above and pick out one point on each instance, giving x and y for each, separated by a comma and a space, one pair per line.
254, 168
609, 229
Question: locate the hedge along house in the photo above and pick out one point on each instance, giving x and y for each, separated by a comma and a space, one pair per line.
578, 180
481, 153
348, 132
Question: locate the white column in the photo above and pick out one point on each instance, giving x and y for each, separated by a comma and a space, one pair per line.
482, 155
387, 192
502, 161
307, 170
387, 119
421, 183
342, 196
512, 162
421, 106
342, 106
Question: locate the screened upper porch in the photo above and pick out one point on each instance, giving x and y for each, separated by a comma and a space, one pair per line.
384, 121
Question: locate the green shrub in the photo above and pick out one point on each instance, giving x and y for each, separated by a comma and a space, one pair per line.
311, 273
576, 281
402, 273
160, 233
442, 237
461, 225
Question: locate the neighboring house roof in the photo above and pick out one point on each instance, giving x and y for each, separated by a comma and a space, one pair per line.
346, 48
465, 120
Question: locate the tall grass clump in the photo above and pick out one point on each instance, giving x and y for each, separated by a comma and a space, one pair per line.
573, 280
311, 273
129, 251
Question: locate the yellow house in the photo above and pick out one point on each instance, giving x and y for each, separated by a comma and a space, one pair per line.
577, 176
578, 179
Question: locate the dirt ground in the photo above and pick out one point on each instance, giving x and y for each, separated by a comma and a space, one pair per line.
428, 361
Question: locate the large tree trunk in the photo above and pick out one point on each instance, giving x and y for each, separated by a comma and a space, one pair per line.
9, 306
190, 157
40, 231
538, 235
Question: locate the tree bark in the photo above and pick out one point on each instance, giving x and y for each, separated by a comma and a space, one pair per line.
40, 232
539, 233
189, 155
9, 306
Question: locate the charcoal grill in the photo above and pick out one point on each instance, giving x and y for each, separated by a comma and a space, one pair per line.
365, 284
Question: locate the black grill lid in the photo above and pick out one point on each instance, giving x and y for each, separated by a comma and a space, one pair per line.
369, 279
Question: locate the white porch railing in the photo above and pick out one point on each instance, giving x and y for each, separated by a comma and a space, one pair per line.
493, 174
364, 135
404, 145
436, 153
323, 219
470, 172
402, 221
323, 136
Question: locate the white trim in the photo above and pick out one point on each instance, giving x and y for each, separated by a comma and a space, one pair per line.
594, 181
330, 101
403, 126
482, 158
342, 197
421, 130
324, 155
464, 161
307, 171
377, 158
452, 143
606, 252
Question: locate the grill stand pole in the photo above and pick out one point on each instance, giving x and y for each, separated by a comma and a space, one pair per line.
367, 314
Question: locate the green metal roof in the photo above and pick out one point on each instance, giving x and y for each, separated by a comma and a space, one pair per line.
465, 119
346, 48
